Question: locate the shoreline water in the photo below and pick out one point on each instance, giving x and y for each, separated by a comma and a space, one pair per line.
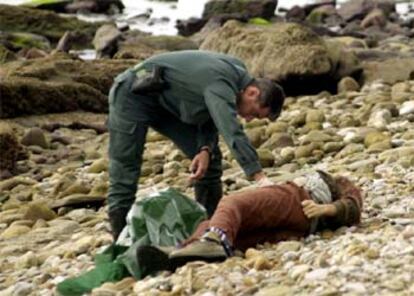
164, 15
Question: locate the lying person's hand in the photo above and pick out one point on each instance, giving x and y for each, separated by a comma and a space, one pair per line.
263, 182
313, 210
199, 165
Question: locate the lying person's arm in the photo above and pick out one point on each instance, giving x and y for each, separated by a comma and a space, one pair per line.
345, 210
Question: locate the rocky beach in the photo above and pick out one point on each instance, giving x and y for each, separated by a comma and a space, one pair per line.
348, 71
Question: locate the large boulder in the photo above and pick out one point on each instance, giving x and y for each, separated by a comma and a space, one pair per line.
275, 51
251, 8
74, 6
286, 52
45, 23
57, 84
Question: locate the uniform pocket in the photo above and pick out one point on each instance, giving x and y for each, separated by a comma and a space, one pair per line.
122, 125
117, 82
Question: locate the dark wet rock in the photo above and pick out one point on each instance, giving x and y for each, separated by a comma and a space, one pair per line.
6, 55
95, 6
9, 147
160, 20
358, 9
143, 47
190, 26
45, 23
252, 8
106, 41
71, 6
322, 13
289, 53
52, 84
295, 14
32, 96
35, 137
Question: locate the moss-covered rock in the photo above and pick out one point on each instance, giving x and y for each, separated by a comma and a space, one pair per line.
278, 51
252, 8
259, 21
57, 85
45, 23
55, 5
6, 55
9, 147
19, 40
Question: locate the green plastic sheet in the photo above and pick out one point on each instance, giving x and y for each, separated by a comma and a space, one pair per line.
163, 219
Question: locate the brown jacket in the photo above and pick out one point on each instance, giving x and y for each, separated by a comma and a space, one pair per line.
348, 204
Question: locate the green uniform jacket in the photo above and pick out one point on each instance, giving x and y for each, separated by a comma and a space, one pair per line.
202, 90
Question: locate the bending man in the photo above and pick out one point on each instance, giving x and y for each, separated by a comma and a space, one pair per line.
191, 97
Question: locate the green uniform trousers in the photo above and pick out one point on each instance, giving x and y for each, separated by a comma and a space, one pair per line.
130, 115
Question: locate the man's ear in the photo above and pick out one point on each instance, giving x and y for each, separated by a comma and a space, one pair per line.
252, 91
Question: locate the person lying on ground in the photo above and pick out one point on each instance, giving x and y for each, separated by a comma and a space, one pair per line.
308, 204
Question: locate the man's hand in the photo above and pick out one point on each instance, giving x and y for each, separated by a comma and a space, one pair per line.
199, 165
313, 210
262, 180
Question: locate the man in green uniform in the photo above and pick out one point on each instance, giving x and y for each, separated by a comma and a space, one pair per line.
191, 97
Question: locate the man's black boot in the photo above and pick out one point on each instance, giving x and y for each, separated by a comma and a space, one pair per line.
209, 196
117, 220
152, 259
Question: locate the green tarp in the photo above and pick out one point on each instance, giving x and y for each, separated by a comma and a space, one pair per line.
164, 219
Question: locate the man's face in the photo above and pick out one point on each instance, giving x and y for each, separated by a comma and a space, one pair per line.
249, 105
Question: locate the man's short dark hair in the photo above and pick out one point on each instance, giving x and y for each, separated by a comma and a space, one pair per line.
271, 95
